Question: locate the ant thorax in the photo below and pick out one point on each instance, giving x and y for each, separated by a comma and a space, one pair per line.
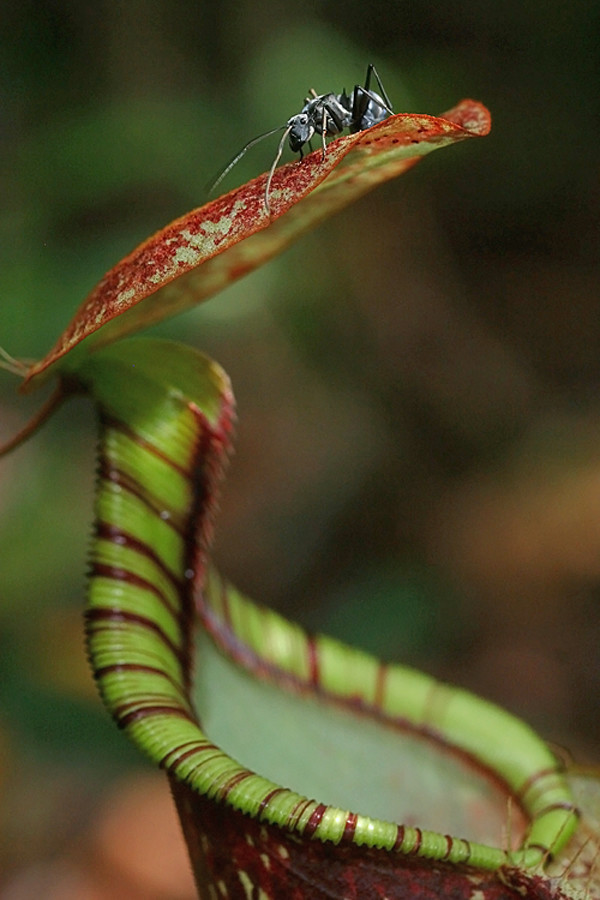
324, 114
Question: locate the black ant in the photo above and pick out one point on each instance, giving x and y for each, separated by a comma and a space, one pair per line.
324, 114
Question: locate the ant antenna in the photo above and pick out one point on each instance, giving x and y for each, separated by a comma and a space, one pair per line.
213, 185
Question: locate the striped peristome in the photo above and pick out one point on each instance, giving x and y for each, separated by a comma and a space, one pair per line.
166, 416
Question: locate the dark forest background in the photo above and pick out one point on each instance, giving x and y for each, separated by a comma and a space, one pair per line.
418, 455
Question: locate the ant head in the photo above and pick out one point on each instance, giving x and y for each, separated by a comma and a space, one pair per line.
301, 129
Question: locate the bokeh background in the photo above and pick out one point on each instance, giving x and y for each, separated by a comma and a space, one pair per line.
418, 455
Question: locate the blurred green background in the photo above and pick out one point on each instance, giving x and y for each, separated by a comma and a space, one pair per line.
418, 454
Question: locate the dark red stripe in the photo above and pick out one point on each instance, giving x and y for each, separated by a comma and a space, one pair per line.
109, 472
118, 425
468, 846
138, 667
267, 799
115, 573
418, 840
315, 820
107, 531
111, 616
350, 827
125, 718
174, 758
449, 845
205, 761
298, 811
399, 837
233, 782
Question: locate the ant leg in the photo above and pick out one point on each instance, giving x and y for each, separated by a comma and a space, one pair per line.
323, 133
360, 101
371, 96
361, 96
273, 167
371, 70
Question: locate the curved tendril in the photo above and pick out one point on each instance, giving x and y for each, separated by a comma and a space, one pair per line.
44, 413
